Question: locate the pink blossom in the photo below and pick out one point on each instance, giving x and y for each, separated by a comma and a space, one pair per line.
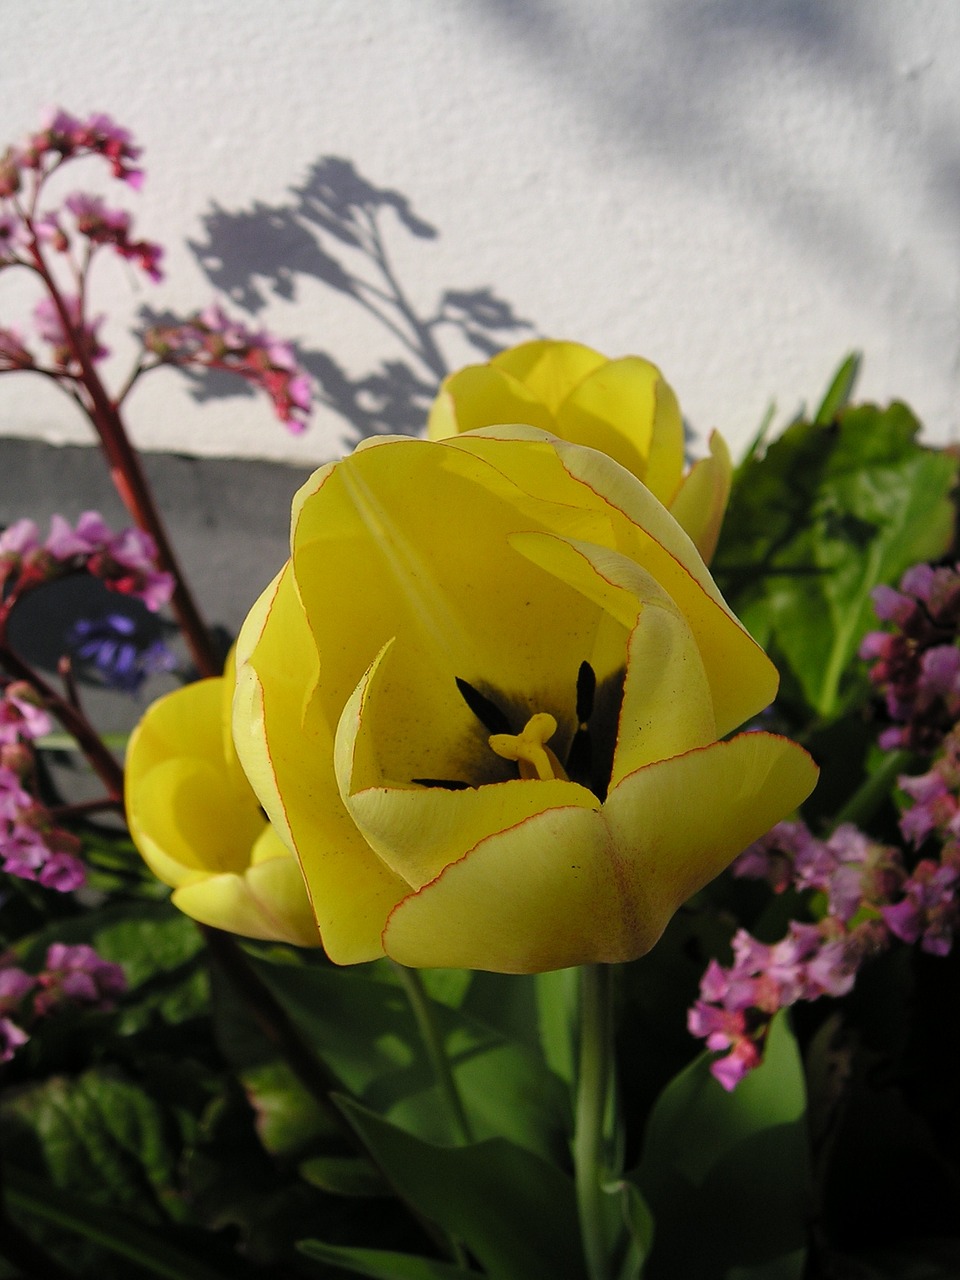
51, 329
12, 1038
124, 560
77, 974
212, 340
19, 538
21, 715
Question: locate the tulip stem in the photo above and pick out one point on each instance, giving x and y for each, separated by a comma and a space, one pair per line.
430, 1034
594, 1098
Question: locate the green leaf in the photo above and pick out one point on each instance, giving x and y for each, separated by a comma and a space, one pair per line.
361, 1026
102, 1133
381, 1264
151, 1250
640, 1225
814, 525
558, 1009
514, 1212
344, 1176
735, 1164
838, 394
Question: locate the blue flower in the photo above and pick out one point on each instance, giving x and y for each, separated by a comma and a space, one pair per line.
115, 648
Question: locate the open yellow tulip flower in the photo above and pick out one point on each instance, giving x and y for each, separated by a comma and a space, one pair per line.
194, 818
487, 704
624, 407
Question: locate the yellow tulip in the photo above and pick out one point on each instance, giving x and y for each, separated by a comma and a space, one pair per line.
485, 703
624, 407
198, 825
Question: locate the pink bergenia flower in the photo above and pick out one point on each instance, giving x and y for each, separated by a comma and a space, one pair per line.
212, 340
125, 561
63, 136
916, 666
101, 225
12, 1038
78, 975
51, 329
22, 716
870, 900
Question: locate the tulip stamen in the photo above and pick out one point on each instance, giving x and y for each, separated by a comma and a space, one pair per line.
580, 755
486, 711
529, 748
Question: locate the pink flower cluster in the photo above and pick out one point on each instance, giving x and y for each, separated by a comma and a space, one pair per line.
98, 224
51, 328
211, 340
916, 666
124, 561
62, 137
870, 899
72, 975
32, 846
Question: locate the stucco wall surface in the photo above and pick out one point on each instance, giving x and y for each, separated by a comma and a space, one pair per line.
742, 191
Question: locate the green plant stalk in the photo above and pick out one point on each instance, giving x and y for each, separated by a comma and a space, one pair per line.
594, 1081
422, 1008
874, 790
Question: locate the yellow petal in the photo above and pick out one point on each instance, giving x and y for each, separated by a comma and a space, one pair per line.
267, 902
626, 409
742, 678
186, 810
483, 396
286, 746
667, 705
698, 811
570, 886
701, 501
549, 370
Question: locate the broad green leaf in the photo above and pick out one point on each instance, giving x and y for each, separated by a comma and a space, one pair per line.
558, 1008
360, 1025
103, 1135
515, 1212
735, 1164
151, 1251
381, 1264
344, 1176
824, 516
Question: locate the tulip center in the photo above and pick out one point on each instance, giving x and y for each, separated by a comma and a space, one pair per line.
529, 748
585, 740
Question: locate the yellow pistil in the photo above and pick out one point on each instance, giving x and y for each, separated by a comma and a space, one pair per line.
534, 758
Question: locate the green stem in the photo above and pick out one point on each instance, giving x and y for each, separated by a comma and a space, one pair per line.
423, 1012
872, 793
594, 1083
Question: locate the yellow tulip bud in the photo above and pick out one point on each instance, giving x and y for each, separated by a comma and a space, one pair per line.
624, 407
197, 823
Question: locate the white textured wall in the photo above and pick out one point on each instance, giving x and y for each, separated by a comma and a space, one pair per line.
742, 191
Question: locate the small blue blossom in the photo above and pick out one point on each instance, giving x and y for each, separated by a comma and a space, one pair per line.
116, 649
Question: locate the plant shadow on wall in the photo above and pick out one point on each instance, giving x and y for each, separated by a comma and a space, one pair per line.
338, 228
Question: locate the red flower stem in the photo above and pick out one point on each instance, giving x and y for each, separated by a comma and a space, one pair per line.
131, 483
103, 762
